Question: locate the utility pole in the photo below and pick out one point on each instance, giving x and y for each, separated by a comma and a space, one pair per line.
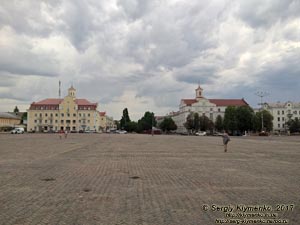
261, 94
152, 126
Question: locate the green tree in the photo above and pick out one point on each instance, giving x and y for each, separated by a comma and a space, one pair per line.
196, 122
168, 124
205, 123
294, 125
230, 122
244, 118
267, 120
131, 126
146, 122
189, 123
219, 123
125, 119
16, 110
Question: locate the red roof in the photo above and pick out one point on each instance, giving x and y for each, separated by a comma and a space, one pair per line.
189, 102
49, 101
102, 113
229, 102
56, 101
219, 102
84, 102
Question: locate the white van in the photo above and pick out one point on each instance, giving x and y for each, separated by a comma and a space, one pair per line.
17, 130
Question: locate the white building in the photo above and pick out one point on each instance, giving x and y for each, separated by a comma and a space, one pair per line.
282, 112
203, 106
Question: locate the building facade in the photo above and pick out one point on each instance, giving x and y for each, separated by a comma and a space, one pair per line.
282, 113
9, 119
106, 122
68, 113
204, 107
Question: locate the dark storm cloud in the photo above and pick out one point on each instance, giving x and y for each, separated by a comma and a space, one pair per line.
283, 74
135, 9
153, 51
22, 61
201, 74
257, 13
28, 17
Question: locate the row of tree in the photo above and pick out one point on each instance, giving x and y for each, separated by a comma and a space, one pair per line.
145, 123
236, 120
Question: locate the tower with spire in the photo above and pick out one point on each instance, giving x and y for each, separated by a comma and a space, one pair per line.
199, 92
72, 92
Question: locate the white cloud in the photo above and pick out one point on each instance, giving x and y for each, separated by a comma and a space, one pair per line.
146, 55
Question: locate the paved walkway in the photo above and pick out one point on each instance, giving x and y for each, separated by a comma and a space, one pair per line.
110, 179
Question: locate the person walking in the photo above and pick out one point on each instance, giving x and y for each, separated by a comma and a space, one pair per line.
226, 139
66, 133
60, 134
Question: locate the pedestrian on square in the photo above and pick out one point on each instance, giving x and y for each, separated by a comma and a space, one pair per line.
66, 133
60, 134
226, 139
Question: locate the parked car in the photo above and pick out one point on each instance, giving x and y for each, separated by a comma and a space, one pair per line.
263, 133
121, 131
201, 133
17, 130
90, 131
217, 134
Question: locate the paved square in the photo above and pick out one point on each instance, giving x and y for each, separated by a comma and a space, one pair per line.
136, 179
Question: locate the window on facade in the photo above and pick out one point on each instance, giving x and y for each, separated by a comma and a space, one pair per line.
45, 121
46, 114
62, 115
40, 114
62, 121
219, 110
278, 125
79, 121
56, 114
211, 109
55, 121
282, 112
68, 115
278, 119
89, 115
35, 115
74, 114
278, 112
51, 114
282, 118
88, 121
74, 121
35, 121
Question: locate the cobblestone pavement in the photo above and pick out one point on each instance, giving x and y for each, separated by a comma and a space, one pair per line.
136, 179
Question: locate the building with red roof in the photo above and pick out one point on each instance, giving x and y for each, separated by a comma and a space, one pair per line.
204, 107
68, 113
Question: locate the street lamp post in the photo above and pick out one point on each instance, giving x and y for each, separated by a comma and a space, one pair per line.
261, 94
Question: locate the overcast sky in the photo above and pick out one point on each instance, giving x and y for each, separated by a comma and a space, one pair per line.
147, 55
